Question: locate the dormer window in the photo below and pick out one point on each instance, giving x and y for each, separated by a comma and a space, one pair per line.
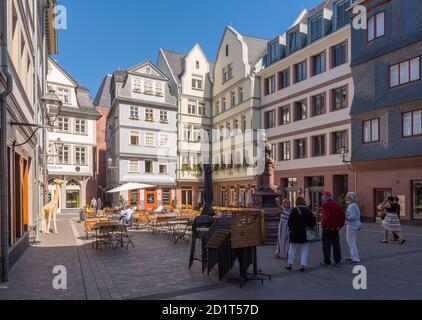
197, 64
294, 41
341, 13
159, 89
316, 28
197, 83
148, 87
274, 52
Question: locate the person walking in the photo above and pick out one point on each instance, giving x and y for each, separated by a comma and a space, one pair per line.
353, 226
391, 221
94, 204
398, 207
100, 204
283, 231
333, 220
300, 219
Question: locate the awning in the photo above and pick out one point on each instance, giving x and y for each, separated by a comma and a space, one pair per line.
131, 186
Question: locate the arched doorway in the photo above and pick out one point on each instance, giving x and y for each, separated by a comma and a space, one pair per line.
73, 194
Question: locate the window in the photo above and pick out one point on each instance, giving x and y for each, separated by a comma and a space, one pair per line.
187, 133
285, 151
80, 156
318, 146
300, 72
284, 115
318, 63
197, 64
80, 126
197, 84
159, 89
318, 104
342, 16
339, 55
163, 169
300, 149
134, 113
339, 98
134, 138
63, 125
316, 28
137, 85
223, 104
244, 123
228, 73
371, 131
148, 166
339, 141
270, 119
233, 98
149, 115
164, 116
148, 87
405, 72
64, 95
192, 107
269, 85
274, 52
301, 110
133, 166
149, 139
201, 109
227, 50
284, 79
376, 26
64, 155
294, 41
417, 199
240, 95
412, 123
217, 107
164, 140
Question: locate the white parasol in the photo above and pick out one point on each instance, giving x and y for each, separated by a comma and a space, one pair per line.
130, 186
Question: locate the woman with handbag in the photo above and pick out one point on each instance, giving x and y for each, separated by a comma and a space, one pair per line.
301, 225
283, 230
391, 221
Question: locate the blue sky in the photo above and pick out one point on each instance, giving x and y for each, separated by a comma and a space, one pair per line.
103, 35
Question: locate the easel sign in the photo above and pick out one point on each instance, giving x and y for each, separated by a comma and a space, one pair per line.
248, 229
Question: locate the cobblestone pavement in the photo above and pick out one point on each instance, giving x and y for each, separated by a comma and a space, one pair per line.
156, 269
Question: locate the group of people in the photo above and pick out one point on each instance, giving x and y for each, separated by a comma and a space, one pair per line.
96, 204
297, 229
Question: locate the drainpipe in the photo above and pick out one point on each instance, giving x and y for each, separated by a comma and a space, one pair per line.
3, 144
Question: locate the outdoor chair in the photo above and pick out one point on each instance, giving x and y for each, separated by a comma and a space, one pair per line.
123, 237
104, 236
89, 224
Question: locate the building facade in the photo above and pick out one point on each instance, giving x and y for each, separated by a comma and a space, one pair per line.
236, 109
141, 136
387, 107
75, 132
190, 78
27, 38
102, 103
307, 90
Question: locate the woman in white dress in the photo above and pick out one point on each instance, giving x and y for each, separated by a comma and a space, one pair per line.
283, 231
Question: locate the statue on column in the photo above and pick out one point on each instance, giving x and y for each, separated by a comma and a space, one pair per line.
265, 182
49, 212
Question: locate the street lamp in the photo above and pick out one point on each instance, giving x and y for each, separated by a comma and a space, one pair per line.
110, 164
53, 106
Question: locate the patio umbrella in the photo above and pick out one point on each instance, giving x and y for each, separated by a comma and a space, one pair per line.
241, 198
249, 200
130, 186
199, 197
308, 197
208, 192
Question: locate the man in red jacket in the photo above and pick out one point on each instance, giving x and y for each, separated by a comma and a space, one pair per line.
333, 220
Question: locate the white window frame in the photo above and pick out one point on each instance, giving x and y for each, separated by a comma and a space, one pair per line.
134, 134
137, 85
147, 137
164, 117
134, 113
149, 114
164, 140
81, 123
78, 161
133, 166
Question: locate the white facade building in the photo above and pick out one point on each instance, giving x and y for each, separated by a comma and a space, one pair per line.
142, 136
191, 78
76, 131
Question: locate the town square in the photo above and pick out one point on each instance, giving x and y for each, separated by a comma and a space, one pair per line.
154, 152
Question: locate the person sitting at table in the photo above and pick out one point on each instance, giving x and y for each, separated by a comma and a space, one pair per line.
126, 216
